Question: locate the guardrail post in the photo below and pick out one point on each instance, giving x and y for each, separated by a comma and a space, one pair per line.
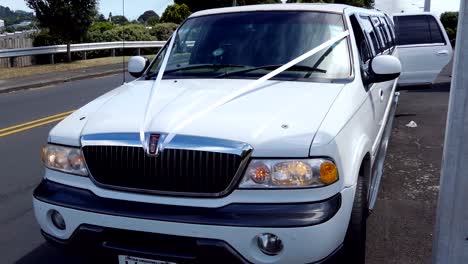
52, 58
113, 52
138, 52
85, 55
12, 62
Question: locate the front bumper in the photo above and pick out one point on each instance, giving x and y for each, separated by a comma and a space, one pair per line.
230, 230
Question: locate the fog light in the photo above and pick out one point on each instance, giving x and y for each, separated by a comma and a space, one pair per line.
269, 244
57, 220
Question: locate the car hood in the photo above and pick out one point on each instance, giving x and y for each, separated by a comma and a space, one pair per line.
278, 120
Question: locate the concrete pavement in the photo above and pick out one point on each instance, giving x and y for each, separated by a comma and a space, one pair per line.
401, 226
399, 229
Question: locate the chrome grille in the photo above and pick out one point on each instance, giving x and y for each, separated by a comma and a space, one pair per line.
174, 171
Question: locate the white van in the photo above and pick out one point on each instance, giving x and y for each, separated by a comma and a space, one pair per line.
256, 135
423, 46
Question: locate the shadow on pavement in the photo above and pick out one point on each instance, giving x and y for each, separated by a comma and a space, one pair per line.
435, 88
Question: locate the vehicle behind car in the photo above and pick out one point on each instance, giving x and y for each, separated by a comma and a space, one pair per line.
424, 47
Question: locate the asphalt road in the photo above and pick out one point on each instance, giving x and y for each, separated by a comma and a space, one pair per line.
399, 230
21, 167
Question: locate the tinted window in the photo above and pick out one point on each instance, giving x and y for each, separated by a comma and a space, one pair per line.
387, 33
417, 30
381, 38
363, 47
369, 29
436, 35
391, 30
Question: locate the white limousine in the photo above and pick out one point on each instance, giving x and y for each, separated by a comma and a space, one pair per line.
256, 135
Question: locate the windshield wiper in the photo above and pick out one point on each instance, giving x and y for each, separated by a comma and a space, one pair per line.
274, 67
198, 66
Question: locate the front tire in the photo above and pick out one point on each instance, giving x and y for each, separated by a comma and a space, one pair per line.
355, 240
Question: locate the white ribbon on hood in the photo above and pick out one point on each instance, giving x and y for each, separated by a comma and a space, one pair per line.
255, 85
154, 87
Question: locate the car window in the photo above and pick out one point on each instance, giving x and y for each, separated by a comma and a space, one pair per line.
365, 53
255, 39
380, 34
420, 29
386, 32
369, 30
391, 28
434, 29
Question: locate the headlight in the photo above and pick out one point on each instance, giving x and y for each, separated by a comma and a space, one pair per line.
289, 173
66, 159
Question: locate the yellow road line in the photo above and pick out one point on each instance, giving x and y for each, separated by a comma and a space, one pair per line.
37, 121
42, 88
32, 126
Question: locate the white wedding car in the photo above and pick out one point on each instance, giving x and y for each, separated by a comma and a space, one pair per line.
257, 134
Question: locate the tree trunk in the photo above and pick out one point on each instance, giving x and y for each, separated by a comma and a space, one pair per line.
69, 58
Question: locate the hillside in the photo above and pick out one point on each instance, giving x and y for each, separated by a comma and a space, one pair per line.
12, 17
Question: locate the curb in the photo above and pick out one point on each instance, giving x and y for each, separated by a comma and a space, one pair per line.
57, 81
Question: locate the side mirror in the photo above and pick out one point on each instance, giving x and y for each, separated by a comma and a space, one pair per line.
137, 66
384, 68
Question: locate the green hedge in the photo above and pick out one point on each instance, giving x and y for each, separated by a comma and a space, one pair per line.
163, 31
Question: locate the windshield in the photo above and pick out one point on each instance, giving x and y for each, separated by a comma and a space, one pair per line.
252, 44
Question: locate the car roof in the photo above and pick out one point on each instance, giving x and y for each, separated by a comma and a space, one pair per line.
332, 8
414, 14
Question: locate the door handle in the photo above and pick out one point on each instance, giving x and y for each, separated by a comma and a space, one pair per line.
381, 95
442, 52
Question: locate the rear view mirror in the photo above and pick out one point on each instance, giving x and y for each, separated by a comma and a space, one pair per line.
384, 68
137, 66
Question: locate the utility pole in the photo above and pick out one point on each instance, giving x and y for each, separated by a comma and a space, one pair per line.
450, 243
427, 6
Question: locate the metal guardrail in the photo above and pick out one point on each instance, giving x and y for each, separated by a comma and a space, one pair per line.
12, 53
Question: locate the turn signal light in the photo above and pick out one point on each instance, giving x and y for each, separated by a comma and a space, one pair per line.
328, 173
260, 174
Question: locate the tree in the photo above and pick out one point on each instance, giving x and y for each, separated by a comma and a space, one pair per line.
69, 19
175, 14
197, 5
152, 21
450, 22
101, 18
14, 17
147, 15
119, 20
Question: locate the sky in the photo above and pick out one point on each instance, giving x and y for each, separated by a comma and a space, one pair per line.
134, 8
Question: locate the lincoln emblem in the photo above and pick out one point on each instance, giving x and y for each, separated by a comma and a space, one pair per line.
153, 144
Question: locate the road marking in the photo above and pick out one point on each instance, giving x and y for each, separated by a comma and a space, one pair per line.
104, 77
42, 88
32, 124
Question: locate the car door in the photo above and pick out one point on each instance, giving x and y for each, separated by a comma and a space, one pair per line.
386, 48
381, 40
423, 46
379, 92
